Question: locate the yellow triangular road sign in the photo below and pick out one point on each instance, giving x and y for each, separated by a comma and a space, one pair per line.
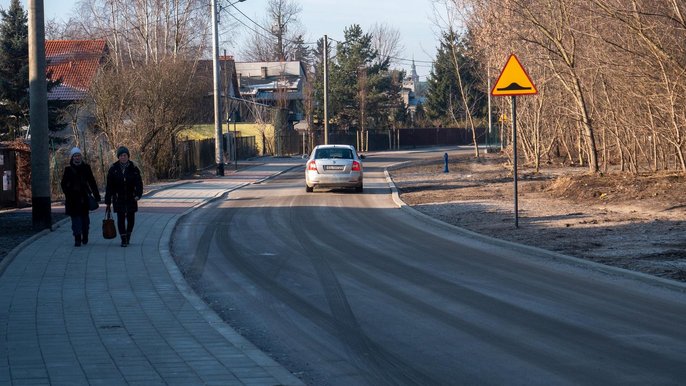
513, 80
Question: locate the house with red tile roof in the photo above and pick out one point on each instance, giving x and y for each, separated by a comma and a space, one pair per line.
75, 63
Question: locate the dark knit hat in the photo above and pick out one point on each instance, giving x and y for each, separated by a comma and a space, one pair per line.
122, 150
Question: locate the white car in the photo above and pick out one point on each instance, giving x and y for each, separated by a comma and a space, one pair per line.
334, 166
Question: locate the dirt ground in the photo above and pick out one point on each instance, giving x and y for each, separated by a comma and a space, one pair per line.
633, 222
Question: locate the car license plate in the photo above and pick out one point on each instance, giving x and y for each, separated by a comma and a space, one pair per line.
334, 167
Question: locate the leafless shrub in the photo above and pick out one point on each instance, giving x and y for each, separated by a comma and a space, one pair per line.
144, 108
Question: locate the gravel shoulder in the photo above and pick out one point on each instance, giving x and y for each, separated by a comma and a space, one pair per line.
629, 221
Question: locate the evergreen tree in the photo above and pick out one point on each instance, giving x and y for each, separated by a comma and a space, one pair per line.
477, 98
365, 94
300, 51
317, 82
14, 71
353, 57
442, 94
14, 76
397, 112
444, 104
385, 106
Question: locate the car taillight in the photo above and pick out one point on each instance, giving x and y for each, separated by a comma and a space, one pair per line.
356, 166
312, 166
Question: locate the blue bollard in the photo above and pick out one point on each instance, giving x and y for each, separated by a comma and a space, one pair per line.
445, 158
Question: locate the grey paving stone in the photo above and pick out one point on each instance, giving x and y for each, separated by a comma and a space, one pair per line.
106, 315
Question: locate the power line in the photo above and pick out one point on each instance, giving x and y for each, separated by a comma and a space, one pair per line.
430, 63
390, 57
271, 35
249, 27
247, 17
411, 60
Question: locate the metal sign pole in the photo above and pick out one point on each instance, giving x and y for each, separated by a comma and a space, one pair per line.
513, 81
235, 140
514, 157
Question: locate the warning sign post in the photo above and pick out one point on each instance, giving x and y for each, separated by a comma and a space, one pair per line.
514, 81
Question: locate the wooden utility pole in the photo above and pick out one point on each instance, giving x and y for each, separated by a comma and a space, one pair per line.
38, 121
326, 90
218, 149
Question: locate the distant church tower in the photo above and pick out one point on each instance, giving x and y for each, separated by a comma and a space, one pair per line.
409, 92
414, 77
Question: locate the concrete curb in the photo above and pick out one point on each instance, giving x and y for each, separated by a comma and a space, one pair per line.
534, 251
212, 318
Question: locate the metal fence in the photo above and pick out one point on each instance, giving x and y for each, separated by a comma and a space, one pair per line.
437, 136
400, 138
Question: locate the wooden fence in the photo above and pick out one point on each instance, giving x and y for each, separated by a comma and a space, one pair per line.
194, 155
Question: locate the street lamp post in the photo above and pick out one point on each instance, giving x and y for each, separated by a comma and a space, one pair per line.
218, 148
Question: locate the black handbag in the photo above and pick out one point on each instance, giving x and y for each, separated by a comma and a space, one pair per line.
92, 202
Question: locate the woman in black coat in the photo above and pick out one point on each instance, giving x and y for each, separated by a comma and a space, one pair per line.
77, 183
124, 189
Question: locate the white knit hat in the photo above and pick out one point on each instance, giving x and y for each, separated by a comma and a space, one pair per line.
74, 150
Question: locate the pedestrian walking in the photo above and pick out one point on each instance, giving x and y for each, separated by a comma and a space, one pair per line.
124, 189
77, 185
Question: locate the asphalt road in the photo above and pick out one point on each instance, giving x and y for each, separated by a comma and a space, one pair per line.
348, 289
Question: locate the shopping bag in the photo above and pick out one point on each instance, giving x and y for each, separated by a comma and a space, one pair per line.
109, 231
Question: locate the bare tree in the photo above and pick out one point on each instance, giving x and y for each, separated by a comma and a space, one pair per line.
386, 41
145, 108
555, 31
277, 37
613, 71
650, 36
146, 31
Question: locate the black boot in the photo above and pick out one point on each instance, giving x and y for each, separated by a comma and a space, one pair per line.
84, 238
124, 241
77, 240
128, 238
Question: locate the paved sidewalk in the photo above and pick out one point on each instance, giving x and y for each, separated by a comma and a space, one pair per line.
106, 315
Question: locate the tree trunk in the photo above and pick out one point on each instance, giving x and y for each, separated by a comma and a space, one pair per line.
588, 128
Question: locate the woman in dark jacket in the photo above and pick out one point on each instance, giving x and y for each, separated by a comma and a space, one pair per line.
77, 183
124, 189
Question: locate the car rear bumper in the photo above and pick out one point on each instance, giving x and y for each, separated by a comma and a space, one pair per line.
334, 180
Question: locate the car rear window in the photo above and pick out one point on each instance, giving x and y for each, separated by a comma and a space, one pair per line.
341, 153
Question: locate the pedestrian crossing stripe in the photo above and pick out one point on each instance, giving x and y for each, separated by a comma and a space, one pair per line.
513, 80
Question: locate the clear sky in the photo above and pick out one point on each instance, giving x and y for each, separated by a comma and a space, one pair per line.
412, 18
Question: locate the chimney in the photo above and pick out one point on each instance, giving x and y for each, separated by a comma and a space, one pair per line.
264, 72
